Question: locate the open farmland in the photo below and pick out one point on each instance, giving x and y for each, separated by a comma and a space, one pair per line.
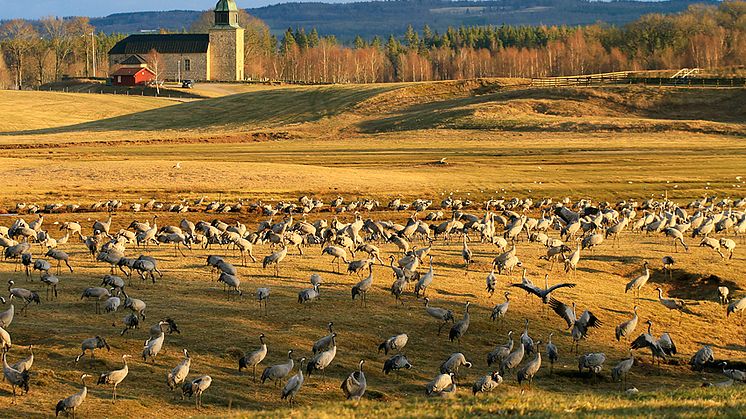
379, 142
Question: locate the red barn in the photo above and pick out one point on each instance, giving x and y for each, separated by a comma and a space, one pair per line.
132, 76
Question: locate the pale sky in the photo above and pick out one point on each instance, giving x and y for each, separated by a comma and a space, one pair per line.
32, 9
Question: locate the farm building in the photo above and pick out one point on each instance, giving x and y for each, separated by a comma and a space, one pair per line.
132, 76
217, 55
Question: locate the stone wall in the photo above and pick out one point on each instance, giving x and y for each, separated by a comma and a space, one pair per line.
199, 65
227, 54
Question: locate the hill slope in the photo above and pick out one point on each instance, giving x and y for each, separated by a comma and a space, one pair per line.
369, 18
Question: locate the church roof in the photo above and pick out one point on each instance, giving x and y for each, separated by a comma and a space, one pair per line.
179, 43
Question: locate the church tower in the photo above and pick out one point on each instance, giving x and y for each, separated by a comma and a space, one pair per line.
226, 43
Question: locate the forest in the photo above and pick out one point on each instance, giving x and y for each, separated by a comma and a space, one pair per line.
704, 36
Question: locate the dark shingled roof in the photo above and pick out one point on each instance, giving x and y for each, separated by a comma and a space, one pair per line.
180, 43
134, 60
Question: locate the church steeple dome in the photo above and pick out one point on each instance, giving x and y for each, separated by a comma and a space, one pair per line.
226, 13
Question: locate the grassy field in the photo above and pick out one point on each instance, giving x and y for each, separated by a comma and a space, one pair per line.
377, 141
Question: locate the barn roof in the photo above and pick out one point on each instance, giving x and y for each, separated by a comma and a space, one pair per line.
134, 59
178, 43
130, 71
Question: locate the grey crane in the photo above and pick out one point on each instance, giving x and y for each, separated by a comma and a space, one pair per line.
309, 294
491, 282
338, 254
593, 362
26, 363
115, 377
454, 363
254, 358
677, 236
131, 321
526, 341
111, 305
425, 280
153, 346
275, 259
262, 295
499, 311
50, 281
232, 282
91, 344
27, 260
737, 306
486, 383
97, 294
723, 295
315, 279
703, 356
579, 325
71, 403
196, 388
157, 328
6, 317
638, 282
466, 254
626, 328
729, 245
294, 384
512, 360
278, 372
397, 343
441, 314
671, 303
5, 342
180, 372
668, 262
622, 369
42, 266
17, 379
113, 281
733, 374
458, 330
438, 384
497, 355
60, 257
357, 266
552, 353
324, 343
362, 287
395, 363
546, 293
355, 384
27, 296
147, 265
136, 305
659, 348
528, 372
323, 359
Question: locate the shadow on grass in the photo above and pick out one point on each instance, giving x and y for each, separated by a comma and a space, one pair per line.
261, 108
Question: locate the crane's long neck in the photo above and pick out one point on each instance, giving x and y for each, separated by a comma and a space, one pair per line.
650, 328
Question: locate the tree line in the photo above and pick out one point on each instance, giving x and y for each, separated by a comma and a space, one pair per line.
702, 36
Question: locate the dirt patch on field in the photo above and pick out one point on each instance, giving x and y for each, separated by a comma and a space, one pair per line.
690, 286
253, 137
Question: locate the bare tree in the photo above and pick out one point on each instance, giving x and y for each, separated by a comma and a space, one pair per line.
18, 37
157, 65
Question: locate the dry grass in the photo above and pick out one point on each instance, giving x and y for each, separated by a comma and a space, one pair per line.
214, 324
376, 141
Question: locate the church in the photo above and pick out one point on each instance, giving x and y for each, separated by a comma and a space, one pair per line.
217, 55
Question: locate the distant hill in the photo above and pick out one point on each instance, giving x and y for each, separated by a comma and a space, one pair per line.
345, 20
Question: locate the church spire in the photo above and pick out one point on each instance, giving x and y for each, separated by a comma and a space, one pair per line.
226, 13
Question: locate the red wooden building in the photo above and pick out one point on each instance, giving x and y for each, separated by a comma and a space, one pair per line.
132, 76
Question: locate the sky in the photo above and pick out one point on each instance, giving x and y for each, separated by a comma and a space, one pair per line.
33, 9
